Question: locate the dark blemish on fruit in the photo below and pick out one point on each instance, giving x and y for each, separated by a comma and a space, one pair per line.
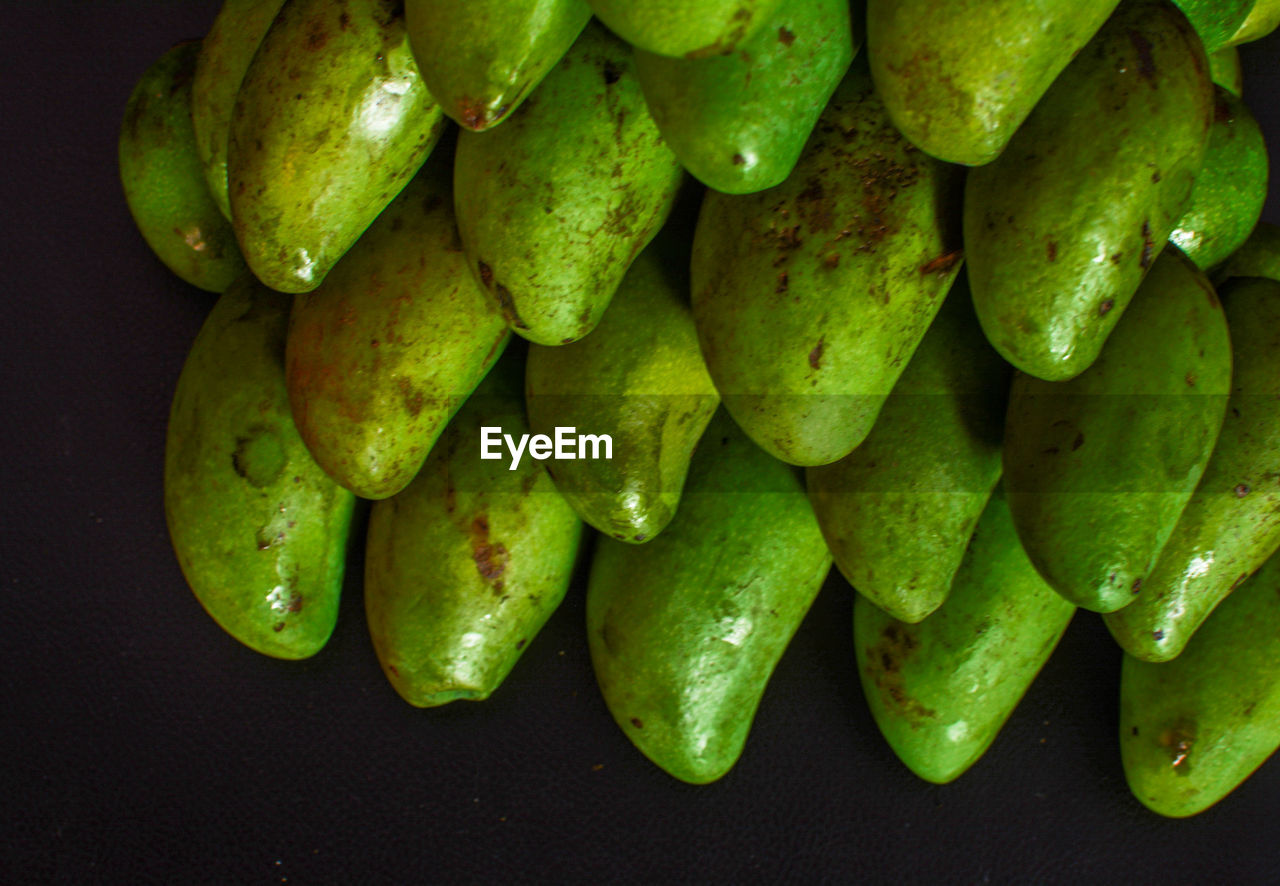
317, 36
486, 274
1051, 248
942, 263
490, 558
1240, 579
1178, 740
1241, 490
738, 159
782, 283
295, 602
637, 722
832, 261
640, 536
413, 399
812, 205
520, 643
278, 627
1190, 379
1052, 450
1157, 635
612, 74
1155, 177
1146, 64
344, 21
1117, 257
1148, 245
472, 113
1137, 585
508, 307
1221, 110
392, 669
815, 356
1135, 730
785, 37
1077, 442
1105, 307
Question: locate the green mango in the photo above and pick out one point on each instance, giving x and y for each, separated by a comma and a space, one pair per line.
465, 565
391, 344
163, 181
1263, 18
690, 28
1061, 229
1099, 468
1193, 729
738, 122
259, 529
685, 631
1230, 189
1258, 257
941, 690
897, 512
810, 297
554, 206
640, 379
1224, 70
482, 58
1232, 523
958, 78
331, 122
1216, 21
225, 54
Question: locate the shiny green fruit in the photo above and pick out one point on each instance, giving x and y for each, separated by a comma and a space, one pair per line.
259, 529
1231, 526
897, 512
225, 54
958, 78
690, 28
941, 690
555, 204
163, 179
392, 343
1230, 188
1224, 70
482, 58
464, 567
1258, 257
810, 297
685, 631
331, 122
1193, 729
1099, 468
738, 122
640, 379
1216, 21
1061, 229
1262, 20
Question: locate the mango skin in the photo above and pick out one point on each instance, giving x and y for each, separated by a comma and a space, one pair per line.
939, 83
1193, 729
1263, 18
1230, 188
481, 58
685, 631
738, 122
259, 529
1258, 257
163, 180
1098, 469
1216, 21
640, 379
331, 121
225, 54
1231, 526
1224, 70
464, 566
941, 690
810, 297
897, 512
392, 343
689, 28
555, 205
1062, 228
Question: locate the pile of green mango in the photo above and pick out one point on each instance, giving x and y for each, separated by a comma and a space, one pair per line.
969, 300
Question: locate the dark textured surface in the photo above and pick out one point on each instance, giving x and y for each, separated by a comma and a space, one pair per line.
142, 745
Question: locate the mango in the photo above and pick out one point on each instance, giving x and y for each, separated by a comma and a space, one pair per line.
1216, 21
897, 512
225, 54
640, 379
810, 297
941, 690
163, 180
686, 630
1230, 188
1099, 468
690, 28
1263, 18
1224, 70
259, 529
392, 343
958, 78
738, 122
1231, 526
555, 205
331, 122
482, 58
1062, 228
464, 567
1258, 257
1193, 729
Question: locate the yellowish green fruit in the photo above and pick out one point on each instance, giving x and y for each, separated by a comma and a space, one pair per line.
1224, 70
1262, 20
690, 28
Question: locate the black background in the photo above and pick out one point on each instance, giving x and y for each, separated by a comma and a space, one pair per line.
141, 744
